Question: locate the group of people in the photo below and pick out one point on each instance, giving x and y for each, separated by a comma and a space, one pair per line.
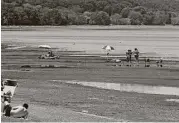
147, 61
50, 54
16, 112
129, 54
7, 110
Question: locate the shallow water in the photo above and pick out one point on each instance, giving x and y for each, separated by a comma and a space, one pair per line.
172, 100
163, 41
163, 90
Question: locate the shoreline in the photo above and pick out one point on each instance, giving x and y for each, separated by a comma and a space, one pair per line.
87, 27
82, 54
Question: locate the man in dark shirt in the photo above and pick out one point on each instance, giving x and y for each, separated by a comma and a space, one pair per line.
129, 57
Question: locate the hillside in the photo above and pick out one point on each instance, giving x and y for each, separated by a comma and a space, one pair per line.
92, 12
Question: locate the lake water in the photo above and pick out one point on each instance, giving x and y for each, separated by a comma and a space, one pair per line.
155, 41
163, 90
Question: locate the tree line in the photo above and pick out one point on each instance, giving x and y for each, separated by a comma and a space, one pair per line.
92, 12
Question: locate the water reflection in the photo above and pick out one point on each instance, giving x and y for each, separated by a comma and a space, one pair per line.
172, 100
129, 87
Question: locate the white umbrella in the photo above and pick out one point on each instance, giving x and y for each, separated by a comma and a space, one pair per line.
44, 46
108, 48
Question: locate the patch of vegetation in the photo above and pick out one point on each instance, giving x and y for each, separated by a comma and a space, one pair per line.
91, 12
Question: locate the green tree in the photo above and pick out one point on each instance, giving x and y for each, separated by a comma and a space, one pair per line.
35, 17
136, 18
87, 15
140, 9
159, 18
45, 16
89, 5
7, 13
81, 20
101, 4
148, 18
125, 12
124, 21
108, 9
64, 12
20, 2
115, 19
28, 9
175, 21
100, 18
76, 9
126, 4
72, 17
19, 15
117, 8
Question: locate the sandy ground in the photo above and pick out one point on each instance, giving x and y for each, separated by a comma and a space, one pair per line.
153, 40
55, 101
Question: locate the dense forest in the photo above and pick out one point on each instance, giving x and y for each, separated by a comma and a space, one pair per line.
91, 12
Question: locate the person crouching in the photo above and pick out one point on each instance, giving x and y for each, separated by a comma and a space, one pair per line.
20, 111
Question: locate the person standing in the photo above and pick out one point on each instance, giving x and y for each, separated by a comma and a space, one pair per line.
129, 57
159, 63
2, 85
147, 62
136, 55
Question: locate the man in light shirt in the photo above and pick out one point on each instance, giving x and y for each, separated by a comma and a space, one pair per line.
136, 55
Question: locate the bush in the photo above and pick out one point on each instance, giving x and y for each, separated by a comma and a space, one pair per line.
100, 18
115, 19
136, 18
81, 20
87, 16
140, 9
159, 19
117, 8
125, 12
175, 21
148, 18
124, 21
